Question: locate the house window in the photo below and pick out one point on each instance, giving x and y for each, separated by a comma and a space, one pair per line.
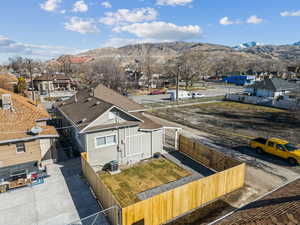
105, 141
20, 147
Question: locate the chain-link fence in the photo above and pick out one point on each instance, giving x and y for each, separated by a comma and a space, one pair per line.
99, 218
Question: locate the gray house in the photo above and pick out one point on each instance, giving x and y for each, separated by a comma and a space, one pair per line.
272, 88
109, 126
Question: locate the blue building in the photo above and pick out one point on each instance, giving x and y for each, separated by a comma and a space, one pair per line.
239, 80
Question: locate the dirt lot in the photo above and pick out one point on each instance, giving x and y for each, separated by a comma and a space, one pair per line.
234, 124
231, 126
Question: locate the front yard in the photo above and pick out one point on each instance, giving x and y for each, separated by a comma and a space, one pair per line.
143, 176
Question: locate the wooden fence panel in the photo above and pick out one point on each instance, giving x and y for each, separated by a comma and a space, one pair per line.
205, 155
168, 205
102, 193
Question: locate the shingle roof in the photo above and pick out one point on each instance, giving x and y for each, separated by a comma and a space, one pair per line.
93, 103
114, 98
275, 84
147, 123
16, 124
281, 207
85, 110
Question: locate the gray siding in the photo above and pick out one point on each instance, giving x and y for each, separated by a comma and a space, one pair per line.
133, 146
119, 117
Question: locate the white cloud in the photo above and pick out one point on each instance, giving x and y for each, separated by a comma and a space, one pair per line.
290, 13
80, 6
129, 16
161, 31
106, 4
254, 20
173, 2
50, 5
226, 21
10, 48
82, 26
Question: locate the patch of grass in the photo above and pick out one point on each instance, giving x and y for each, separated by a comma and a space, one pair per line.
141, 177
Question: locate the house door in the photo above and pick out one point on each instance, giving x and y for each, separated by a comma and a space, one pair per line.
133, 148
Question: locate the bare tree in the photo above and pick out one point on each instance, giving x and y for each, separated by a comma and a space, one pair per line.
109, 72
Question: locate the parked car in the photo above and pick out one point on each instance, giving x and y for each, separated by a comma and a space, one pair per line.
278, 147
157, 92
197, 95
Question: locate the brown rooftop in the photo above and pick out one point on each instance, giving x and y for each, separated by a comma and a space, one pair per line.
88, 105
114, 98
52, 77
147, 123
282, 207
16, 123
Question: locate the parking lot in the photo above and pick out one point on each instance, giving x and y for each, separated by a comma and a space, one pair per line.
62, 199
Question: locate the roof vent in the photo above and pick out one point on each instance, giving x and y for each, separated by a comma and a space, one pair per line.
89, 99
36, 130
98, 103
75, 98
83, 120
6, 101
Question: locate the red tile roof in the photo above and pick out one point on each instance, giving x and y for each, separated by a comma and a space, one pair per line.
16, 123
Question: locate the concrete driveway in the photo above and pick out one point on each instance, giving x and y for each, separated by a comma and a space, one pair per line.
62, 199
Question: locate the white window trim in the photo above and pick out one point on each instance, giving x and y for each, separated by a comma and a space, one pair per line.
106, 145
21, 152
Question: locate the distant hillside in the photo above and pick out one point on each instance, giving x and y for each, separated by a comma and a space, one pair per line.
281, 52
162, 52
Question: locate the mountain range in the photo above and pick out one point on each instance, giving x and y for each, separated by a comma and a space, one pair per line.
162, 52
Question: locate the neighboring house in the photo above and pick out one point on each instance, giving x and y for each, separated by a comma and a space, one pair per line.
240, 79
49, 83
272, 88
26, 140
8, 81
280, 207
109, 126
150, 82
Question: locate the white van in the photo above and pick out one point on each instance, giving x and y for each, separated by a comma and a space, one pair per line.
181, 95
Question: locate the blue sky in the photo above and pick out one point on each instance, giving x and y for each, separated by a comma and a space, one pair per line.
48, 28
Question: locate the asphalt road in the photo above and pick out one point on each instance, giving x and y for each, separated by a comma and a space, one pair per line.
215, 91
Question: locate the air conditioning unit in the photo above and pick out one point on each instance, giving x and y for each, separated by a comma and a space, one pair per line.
113, 166
6, 101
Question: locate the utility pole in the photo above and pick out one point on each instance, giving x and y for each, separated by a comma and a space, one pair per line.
177, 83
32, 89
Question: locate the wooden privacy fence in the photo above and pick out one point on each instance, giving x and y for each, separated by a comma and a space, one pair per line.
168, 205
102, 193
171, 204
205, 155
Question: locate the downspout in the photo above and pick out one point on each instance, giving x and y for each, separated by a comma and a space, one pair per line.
86, 147
151, 143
